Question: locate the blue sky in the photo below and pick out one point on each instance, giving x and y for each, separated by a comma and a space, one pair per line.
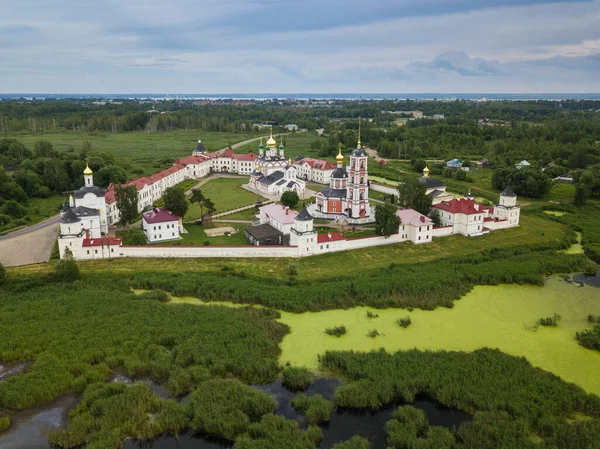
328, 46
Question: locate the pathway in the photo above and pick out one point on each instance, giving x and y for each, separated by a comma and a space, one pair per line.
246, 142
30, 245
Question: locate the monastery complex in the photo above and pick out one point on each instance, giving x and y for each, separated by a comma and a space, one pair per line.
277, 231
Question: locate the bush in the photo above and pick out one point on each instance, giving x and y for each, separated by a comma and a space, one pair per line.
136, 236
4, 423
550, 321
66, 269
292, 269
153, 295
276, 432
316, 408
224, 408
356, 442
336, 331
289, 198
2, 274
296, 378
14, 209
371, 314
404, 322
373, 333
589, 338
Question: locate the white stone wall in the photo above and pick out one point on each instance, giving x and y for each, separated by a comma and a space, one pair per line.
93, 202
463, 223
511, 214
388, 190
208, 251
442, 231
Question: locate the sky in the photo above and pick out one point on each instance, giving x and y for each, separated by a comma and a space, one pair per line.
307, 46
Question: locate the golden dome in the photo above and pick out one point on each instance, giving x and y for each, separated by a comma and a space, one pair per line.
88, 171
271, 142
426, 171
339, 157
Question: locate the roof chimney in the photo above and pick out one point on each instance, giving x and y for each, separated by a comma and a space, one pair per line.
199, 141
329, 235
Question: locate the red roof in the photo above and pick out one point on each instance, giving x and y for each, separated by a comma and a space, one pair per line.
104, 241
158, 215
331, 237
317, 163
461, 206
198, 159
246, 157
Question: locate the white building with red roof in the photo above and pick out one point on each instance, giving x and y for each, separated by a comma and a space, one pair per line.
414, 226
314, 170
468, 217
160, 224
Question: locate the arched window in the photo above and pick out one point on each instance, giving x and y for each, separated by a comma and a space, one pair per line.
362, 180
337, 184
353, 163
362, 195
362, 164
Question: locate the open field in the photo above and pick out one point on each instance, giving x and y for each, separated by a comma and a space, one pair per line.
225, 193
148, 151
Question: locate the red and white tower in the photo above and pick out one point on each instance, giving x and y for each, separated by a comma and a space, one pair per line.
358, 183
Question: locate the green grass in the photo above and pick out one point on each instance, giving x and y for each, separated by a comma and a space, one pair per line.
196, 235
248, 214
226, 194
296, 144
38, 209
139, 149
376, 195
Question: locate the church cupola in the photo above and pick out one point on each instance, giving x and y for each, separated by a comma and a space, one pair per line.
281, 149
508, 198
426, 172
261, 148
339, 158
88, 175
271, 143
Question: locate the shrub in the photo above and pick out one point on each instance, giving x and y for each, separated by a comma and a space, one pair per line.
13, 209
549, 321
373, 333
4, 423
591, 318
404, 322
153, 295
66, 269
316, 408
356, 442
289, 198
337, 331
136, 237
371, 314
292, 269
274, 431
2, 274
224, 408
296, 378
589, 338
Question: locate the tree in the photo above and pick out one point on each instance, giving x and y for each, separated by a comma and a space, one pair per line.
43, 148
67, 270
110, 174
461, 175
530, 182
587, 185
448, 172
435, 217
175, 201
386, 220
501, 177
127, 203
136, 237
2, 274
202, 201
14, 209
412, 194
418, 165
289, 198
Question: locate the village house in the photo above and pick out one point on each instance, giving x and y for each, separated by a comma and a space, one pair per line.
160, 225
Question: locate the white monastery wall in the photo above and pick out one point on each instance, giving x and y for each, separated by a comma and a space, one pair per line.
208, 251
442, 231
388, 190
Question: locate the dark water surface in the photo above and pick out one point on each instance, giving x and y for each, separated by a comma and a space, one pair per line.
344, 422
594, 281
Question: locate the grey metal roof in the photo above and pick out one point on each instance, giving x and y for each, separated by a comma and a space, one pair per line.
83, 211
264, 231
359, 152
304, 215
508, 191
69, 216
199, 148
273, 177
436, 193
430, 182
80, 193
280, 183
339, 173
328, 192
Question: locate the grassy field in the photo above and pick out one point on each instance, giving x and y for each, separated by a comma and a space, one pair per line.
196, 235
148, 151
226, 193
248, 214
296, 144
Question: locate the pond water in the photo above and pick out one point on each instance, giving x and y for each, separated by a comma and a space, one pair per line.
7, 370
30, 428
344, 422
502, 317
